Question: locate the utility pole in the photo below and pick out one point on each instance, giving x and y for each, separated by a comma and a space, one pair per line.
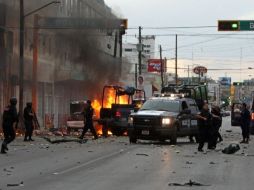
176, 59
136, 75
165, 71
140, 48
35, 61
121, 45
22, 17
188, 74
162, 80
115, 46
21, 60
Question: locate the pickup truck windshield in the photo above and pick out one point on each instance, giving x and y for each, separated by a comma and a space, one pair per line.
161, 105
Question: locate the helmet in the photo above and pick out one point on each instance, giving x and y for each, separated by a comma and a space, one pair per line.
29, 104
13, 101
88, 102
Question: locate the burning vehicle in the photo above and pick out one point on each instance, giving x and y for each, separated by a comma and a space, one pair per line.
111, 113
116, 105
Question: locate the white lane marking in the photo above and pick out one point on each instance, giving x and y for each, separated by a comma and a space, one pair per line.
88, 163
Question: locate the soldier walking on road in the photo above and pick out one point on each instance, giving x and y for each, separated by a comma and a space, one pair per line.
204, 124
216, 124
10, 117
28, 119
88, 119
245, 123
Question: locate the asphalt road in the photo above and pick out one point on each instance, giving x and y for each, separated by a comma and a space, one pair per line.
116, 165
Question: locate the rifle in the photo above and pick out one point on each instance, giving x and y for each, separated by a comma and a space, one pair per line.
35, 119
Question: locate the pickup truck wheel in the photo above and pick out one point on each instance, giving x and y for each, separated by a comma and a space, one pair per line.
133, 140
173, 139
117, 132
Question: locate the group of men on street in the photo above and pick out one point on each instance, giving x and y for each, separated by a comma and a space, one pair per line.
11, 119
10, 123
209, 123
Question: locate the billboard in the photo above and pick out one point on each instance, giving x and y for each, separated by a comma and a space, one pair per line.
200, 70
154, 65
225, 81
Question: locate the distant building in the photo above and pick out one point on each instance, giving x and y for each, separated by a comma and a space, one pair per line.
130, 52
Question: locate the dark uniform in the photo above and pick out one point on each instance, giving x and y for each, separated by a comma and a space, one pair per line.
215, 128
88, 119
28, 120
245, 124
204, 128
10, 116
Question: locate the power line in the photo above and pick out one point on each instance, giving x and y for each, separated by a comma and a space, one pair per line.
192, 44
172, 27
214, 69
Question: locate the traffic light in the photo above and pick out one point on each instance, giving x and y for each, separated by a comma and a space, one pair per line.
124, 26
125, 23
228, 25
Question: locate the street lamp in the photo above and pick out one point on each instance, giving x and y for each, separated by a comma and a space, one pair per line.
21, 49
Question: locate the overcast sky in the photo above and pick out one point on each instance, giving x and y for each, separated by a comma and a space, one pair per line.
211, 51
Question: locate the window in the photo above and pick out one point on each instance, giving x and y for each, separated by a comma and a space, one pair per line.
193, 106
161, 105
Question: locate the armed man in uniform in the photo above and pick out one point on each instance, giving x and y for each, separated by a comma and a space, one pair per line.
28, 119
10, 121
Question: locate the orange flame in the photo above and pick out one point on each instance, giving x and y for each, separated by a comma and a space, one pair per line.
109, 98
97, 107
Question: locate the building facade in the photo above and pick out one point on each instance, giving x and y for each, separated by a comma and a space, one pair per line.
73, 62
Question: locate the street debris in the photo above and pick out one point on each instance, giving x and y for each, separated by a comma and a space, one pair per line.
231, 149
44, 146
188, 162
142, 154
189, 156
212, 163
16, 184
60, 139
5, 170
189, 184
